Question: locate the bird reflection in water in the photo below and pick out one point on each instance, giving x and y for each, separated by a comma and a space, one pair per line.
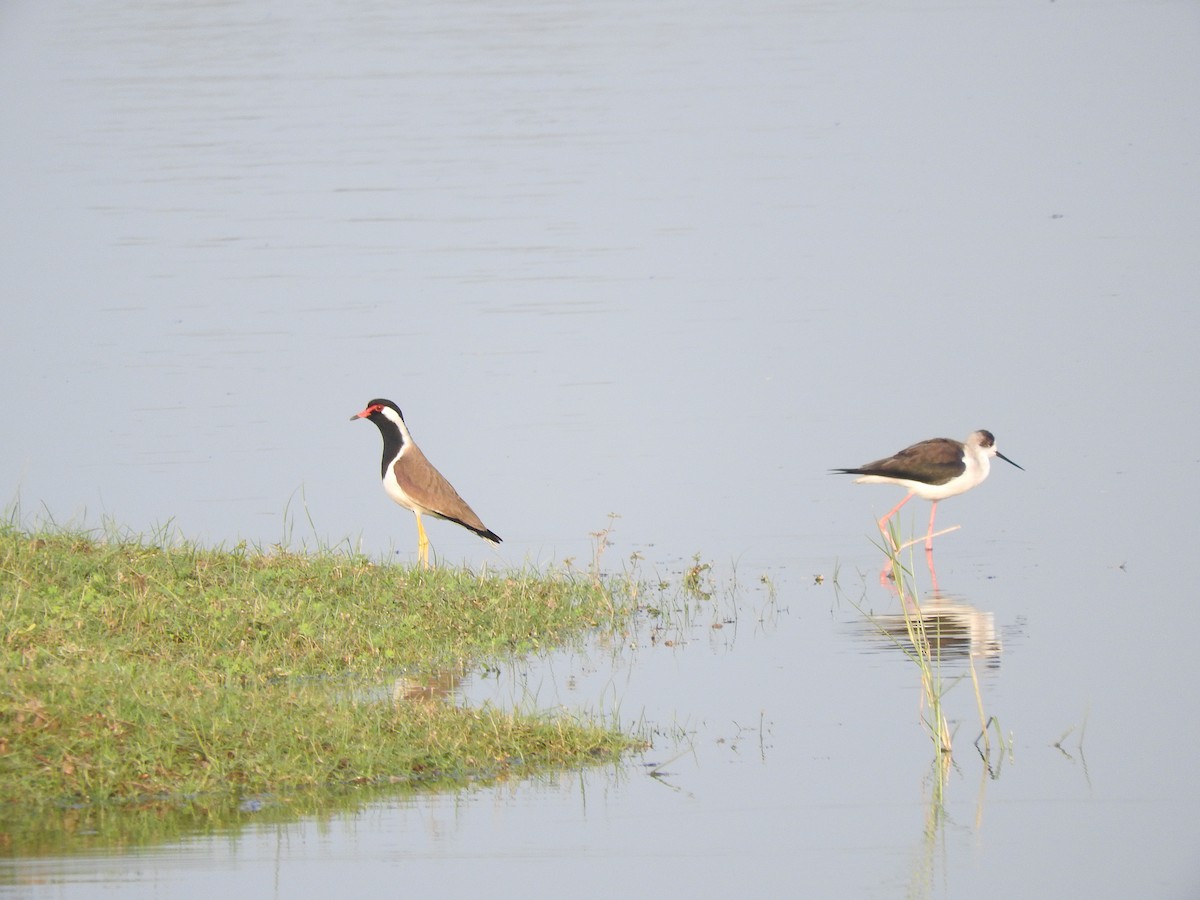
955, 630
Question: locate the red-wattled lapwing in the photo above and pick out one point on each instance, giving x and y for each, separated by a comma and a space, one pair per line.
411, 480
933, 470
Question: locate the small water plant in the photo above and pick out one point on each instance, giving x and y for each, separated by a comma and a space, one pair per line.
923, 649
925, 636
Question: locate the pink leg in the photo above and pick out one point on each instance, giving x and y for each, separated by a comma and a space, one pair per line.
933, 585
895, 509
929, 536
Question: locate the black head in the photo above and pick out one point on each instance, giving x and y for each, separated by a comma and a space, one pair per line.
987, 443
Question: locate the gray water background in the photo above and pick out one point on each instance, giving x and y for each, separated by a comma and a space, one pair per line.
670, 261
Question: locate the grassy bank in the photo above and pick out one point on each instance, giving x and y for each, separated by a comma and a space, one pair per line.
145, 674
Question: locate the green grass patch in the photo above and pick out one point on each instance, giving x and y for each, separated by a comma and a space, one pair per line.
144, 675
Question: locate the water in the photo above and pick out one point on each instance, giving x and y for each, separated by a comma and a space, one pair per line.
672, 263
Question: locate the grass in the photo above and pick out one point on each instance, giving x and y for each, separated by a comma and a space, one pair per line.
145, 675
925, 653
922, 640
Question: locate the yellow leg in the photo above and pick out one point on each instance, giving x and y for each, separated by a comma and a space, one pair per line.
422, 543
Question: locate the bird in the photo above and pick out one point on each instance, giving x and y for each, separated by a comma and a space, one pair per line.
411, 480
933, 470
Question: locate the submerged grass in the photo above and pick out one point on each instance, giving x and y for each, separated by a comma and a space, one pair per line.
142, 673
922, 643
924, 651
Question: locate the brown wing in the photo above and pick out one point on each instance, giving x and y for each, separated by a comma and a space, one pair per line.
934, 461
433, 493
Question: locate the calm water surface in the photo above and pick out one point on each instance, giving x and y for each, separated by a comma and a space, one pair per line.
670, 262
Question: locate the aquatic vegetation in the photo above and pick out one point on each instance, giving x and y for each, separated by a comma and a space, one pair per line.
930, 636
